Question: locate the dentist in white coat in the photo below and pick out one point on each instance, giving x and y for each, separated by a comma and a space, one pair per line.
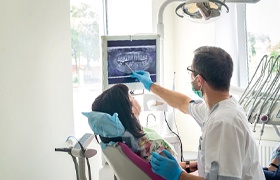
227, 150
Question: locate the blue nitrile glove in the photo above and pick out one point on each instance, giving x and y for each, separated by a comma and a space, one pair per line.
144, 78
167, 167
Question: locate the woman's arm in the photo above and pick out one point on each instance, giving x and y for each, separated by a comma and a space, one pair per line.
189, 166
187, 176
273, 165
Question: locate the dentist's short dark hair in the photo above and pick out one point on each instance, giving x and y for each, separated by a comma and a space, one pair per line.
215, 64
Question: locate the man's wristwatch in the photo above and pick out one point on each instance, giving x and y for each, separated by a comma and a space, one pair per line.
188, 166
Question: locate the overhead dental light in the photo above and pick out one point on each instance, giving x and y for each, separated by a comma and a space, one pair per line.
205, 10
198, 10
201, 10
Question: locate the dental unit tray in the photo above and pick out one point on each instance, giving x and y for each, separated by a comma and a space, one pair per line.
79, 151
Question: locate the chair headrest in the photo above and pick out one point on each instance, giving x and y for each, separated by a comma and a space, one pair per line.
104, 124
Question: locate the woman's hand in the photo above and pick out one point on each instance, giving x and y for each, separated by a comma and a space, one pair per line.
191, 167
272, 168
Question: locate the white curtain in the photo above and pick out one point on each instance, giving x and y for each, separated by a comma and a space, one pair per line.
231, 36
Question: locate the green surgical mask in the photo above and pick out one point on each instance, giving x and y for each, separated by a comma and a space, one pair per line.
197, 92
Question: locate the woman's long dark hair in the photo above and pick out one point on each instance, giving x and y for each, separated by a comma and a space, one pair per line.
116, 100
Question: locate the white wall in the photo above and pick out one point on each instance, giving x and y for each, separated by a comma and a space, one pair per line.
36, 89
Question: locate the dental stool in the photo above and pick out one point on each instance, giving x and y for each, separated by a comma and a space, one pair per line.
127, 165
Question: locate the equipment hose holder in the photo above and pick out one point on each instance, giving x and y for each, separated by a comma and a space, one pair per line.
80, 152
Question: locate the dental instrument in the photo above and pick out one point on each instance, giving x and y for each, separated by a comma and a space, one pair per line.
260, 88
261, 98
247, 89
255, 86
266, 117
129, 67
271, 89
260, 91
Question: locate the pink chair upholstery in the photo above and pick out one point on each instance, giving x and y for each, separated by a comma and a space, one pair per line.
127, 165
141, 163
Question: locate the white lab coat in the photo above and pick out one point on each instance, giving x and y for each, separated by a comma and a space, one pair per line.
227, 140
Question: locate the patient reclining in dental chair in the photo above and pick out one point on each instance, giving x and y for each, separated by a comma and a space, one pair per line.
110, 131
114, 118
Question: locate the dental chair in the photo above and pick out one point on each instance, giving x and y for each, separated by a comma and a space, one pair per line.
126, 164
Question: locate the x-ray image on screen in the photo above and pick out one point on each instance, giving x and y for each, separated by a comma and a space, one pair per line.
125, 56
122, 55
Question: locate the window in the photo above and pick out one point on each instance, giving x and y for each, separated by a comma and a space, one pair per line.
263, 37
86, 28
87, 25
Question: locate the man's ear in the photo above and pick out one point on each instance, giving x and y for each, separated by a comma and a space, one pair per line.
199, 80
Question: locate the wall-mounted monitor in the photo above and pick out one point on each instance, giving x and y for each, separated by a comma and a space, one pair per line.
123, 54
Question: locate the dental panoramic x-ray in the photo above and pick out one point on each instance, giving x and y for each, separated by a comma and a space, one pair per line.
122, 55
